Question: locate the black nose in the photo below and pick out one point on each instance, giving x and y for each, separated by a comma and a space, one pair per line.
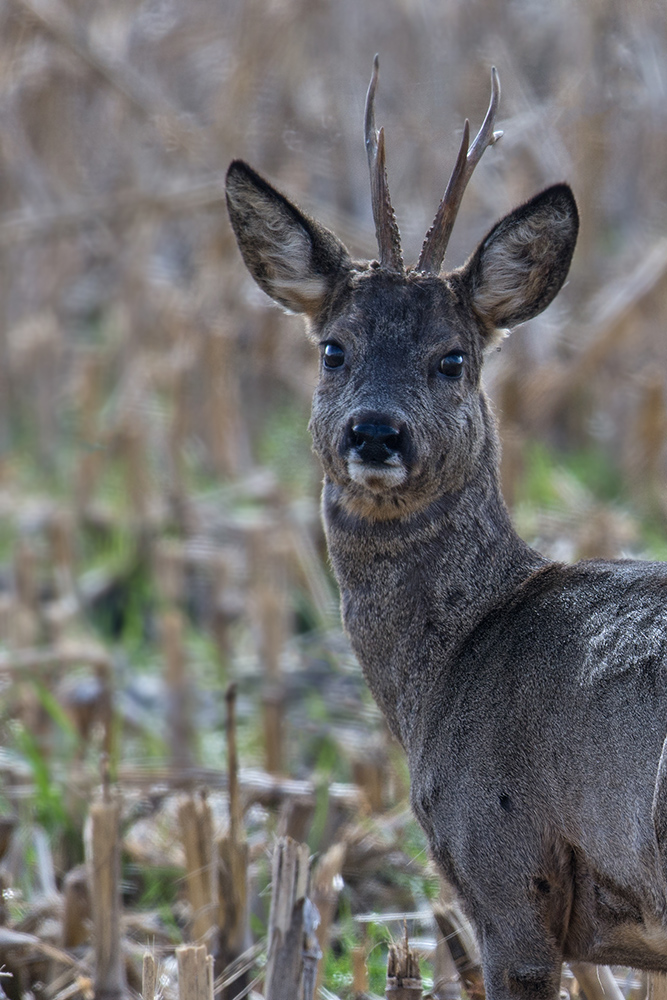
374, 440
375, 434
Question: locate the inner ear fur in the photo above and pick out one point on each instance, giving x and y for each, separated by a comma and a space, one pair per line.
522, 263
292, 257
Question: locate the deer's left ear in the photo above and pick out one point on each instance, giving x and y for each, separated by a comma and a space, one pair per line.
522, 263
293, 258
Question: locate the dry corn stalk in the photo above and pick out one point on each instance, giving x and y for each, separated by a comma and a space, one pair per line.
289, 886
179, 711
446, 980
456, 931
148, 977
232, 853
103, 861
196, 822
195, 973
596, 981
404, 981
657, 987
327, 883
359, 972
76, 909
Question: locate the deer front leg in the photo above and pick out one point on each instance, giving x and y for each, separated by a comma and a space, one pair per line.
519, 961
518, 895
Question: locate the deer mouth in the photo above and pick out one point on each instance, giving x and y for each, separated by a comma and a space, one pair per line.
377, 476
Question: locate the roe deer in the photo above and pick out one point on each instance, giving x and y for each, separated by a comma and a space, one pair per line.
530, 697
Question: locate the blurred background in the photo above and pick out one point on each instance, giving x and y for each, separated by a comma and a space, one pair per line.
159, 528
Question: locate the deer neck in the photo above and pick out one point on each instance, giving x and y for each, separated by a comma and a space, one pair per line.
413, 589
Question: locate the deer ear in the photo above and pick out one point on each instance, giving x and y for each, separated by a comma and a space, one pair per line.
522, 263
292, 258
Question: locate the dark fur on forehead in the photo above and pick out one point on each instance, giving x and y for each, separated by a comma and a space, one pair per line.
381, 305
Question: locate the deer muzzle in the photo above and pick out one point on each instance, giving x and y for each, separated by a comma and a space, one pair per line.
376, 446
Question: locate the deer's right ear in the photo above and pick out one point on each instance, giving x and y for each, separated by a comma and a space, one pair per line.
292, 258
522, 263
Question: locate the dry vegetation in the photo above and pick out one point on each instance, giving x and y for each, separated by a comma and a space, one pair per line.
159, 534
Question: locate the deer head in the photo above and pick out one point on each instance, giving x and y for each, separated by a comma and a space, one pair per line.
399, 417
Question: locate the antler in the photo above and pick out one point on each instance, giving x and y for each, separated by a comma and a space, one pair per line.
386, 229
437, 238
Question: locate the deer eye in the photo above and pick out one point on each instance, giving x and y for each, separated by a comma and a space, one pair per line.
334, 356
451, 366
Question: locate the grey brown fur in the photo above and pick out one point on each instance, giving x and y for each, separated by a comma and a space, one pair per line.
530, 697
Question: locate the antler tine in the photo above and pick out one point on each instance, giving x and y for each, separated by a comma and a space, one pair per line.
437, 238
486, 136
386, 229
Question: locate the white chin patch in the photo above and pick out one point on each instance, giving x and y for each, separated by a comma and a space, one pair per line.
377, 478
